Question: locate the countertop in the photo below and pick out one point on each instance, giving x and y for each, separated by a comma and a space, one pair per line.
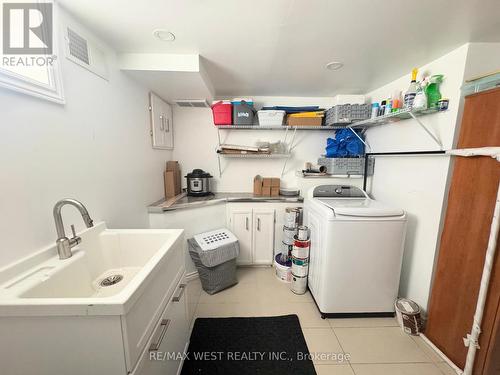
216, 198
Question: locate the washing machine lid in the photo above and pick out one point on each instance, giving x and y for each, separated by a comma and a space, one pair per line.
360, 207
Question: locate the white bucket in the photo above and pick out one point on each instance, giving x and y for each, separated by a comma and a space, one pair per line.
298, 285
300, 267
283, 273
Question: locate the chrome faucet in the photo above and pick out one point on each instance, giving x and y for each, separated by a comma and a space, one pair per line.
64, 244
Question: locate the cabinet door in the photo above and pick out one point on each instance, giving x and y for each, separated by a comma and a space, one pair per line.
263, 236
161, 123
240, 223
163, 355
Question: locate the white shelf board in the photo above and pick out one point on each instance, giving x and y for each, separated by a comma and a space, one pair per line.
282, 127
255, 156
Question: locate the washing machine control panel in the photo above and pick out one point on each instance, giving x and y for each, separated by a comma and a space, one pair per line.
338, 191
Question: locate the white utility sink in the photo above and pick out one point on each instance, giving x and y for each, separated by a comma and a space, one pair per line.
61, 315
104, 275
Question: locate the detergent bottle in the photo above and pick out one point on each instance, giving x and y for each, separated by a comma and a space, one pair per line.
432, 91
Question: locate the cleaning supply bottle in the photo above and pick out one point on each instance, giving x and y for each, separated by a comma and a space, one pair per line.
412, 90
432, 91
420, 101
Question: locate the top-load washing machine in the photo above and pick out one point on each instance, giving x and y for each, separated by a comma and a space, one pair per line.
356, 251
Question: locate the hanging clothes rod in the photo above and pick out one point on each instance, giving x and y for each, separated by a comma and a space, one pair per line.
395, 153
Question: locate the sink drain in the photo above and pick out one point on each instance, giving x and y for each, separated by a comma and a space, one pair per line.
111, 280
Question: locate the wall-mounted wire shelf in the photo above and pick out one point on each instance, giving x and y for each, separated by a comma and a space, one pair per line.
254, 156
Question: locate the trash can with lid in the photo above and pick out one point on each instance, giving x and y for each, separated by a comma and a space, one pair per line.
214, 254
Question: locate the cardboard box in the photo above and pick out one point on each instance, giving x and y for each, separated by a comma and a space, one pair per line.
169, 184
172, 179
172, 165
266, 181
304, 121
275, 191
275, 182
266, 191
257, 185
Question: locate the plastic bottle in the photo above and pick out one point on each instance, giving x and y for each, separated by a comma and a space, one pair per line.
396, 101
420, 101
381, 109
388, 106
412, 89
375, 107
432, 90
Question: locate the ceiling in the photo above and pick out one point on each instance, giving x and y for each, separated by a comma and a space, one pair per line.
280, 47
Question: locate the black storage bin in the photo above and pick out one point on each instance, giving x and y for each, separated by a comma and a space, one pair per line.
243, 114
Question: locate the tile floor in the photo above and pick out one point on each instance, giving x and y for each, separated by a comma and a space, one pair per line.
375, 345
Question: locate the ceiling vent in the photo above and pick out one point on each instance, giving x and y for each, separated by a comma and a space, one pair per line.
83, 52
192, 103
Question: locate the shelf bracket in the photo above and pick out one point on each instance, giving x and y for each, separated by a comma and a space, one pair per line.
293, 140
434, 138
284, 166
220, 169
361, 139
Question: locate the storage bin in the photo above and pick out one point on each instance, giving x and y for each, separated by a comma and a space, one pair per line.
222, 113
243, 114
347, 114
248, 101
271, 117
347, 166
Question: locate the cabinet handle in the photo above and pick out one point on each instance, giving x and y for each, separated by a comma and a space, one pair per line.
155, 346
168, 125
258, 224
182, 287
162, 126
246, 222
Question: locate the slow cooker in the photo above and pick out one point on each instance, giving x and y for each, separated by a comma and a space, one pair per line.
198, 183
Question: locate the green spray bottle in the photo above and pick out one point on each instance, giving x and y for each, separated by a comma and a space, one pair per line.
432, 91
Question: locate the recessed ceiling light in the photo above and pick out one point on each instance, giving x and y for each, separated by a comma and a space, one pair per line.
163, 35
334, 65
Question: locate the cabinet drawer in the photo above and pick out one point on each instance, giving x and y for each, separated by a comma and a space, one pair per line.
165, 348
139, 323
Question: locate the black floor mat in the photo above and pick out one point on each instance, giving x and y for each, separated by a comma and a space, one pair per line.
240, 346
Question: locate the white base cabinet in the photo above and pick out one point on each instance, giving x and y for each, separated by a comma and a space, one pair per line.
163, 353
253, 225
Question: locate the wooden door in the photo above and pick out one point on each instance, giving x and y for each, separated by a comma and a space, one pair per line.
464, 240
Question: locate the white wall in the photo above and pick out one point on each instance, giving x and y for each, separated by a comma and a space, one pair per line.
96, 148
482, 58
418, 183
195, 131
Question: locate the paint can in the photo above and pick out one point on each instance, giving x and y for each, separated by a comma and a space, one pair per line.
289, 234
303, 233
301, 248
300, 267
292, 217
298, 284
408, 316
287, 249
283, 270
